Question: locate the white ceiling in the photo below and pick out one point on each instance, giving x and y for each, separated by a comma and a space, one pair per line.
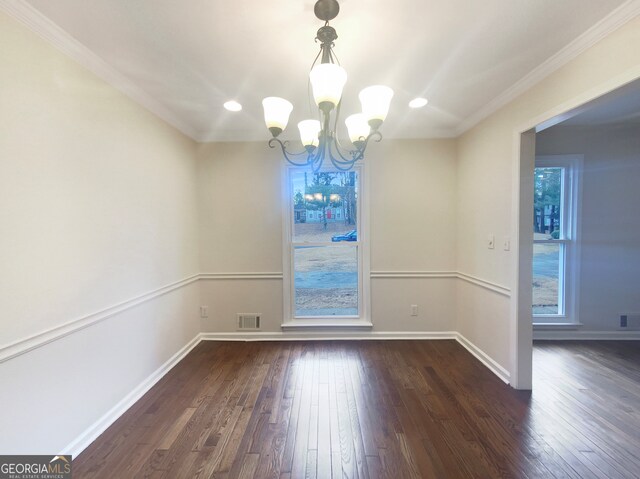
193, 55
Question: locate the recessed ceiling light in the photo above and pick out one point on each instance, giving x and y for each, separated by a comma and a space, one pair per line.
233, 105
418, 102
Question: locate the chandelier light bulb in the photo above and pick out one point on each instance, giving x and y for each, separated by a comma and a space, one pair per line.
276, 113
327, 81
375, 102
358, 128
309, 130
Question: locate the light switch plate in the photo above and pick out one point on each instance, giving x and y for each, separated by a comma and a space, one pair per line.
491, 242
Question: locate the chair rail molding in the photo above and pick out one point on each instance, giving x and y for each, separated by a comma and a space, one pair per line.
240, 275
42, 338
483, 283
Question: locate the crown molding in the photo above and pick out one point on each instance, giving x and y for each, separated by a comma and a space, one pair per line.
617, 18
61, 40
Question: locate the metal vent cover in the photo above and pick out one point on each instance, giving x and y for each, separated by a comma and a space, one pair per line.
248, 322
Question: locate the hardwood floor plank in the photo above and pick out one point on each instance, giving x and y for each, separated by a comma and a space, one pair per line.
378, 409
249, 465
176, 429
324, 430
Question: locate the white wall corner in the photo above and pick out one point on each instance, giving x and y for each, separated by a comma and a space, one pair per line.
485, 359
97, 428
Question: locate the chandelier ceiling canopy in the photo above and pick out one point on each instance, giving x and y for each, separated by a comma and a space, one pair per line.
319, 137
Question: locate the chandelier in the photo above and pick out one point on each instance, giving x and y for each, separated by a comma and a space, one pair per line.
320, 137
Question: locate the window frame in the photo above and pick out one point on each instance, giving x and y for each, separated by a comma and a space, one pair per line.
363, 319
569, 241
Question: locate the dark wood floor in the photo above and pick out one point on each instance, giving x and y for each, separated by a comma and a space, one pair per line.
396, 409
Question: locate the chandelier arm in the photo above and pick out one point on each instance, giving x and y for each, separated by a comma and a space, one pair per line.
335, 125
343, 160
376, 136
287, 154
337, 145
339, 149
316, 58
309, 79
358, 153
317, 159
341, 163
334, 56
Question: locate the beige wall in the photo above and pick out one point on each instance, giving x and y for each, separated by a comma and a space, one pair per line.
97, 206
412, 203
486, 175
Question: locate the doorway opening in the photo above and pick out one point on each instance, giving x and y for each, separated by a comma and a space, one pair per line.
578, 235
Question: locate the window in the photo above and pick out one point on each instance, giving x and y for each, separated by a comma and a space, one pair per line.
324, 255
555, 242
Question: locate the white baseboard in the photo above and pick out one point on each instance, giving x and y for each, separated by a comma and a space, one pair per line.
484, 358
97, 428
480, 355
326, 335
559, 335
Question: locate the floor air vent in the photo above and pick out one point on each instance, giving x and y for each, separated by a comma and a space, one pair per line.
248, 322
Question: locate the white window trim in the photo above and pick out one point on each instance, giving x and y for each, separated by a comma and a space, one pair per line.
363, 320
569, 279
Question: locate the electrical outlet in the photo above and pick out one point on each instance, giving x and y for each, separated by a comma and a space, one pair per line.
414, 310
491, 242
623, 321
204, 311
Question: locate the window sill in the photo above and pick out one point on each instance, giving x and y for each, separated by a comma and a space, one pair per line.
549, 326
357, 324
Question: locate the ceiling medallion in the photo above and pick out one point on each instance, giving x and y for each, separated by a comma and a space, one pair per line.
327, 78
